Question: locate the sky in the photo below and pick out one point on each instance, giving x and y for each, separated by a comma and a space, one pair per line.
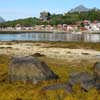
16, 9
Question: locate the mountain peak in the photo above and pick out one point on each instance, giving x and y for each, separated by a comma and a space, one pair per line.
1, 20
80, 8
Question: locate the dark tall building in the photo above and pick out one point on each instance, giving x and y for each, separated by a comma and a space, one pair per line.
44, 16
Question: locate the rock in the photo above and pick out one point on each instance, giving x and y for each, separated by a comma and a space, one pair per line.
97, 70
97, 74
29, 69
86, 80
55, 87
38, 55
85, 53
65, 86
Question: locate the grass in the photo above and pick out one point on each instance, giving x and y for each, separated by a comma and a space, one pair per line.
20, 91
75, 45
70, 45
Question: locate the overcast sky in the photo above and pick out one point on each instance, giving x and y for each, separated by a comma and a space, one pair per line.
15, 9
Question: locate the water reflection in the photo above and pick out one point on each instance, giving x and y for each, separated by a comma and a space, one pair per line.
51, 37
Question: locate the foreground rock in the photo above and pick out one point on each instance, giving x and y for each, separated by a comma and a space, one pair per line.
97, 74
29, 69
86, 80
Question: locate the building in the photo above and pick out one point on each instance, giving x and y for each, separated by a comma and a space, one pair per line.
94, 27
44, 16
18, 27
86, 22
59, 27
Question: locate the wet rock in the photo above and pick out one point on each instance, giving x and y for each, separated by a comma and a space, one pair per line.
38, 55
29, 69
85, 54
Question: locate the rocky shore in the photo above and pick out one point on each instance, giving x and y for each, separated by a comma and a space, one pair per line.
29, 48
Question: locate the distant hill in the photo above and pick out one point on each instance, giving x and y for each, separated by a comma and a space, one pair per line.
1, 20
79, 8
67, 18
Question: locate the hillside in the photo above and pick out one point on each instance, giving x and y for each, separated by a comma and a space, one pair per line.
80, 13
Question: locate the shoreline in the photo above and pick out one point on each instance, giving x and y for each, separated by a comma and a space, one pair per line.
26, 49
34, 31
22, 31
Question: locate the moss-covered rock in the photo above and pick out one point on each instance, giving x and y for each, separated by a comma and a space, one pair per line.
29, 69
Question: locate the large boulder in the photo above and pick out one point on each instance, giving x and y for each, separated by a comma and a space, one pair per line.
29, 69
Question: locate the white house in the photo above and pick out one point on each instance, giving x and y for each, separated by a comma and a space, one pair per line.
70, 28
18, 27
94, 27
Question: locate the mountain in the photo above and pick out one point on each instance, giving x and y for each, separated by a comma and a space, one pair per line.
1, 20
79, 8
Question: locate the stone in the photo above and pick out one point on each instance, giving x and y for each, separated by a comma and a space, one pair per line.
97, 74
65, 86
38, 55
86, 80
29, 69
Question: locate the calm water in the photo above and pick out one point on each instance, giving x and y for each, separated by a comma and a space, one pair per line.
50, 37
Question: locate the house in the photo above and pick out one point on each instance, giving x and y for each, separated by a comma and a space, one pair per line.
59, 27
64, 27
28, 28
18, 27
70, 28
83, 29
10, 28
94, 27
98, 25
49, 28
86, 22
